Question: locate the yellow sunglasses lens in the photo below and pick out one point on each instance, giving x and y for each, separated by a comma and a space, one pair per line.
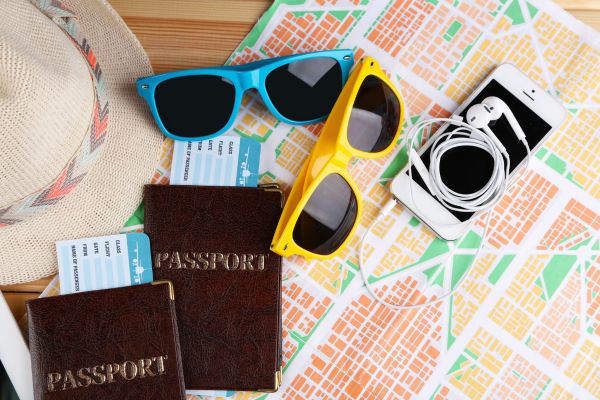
328, 216
375, 116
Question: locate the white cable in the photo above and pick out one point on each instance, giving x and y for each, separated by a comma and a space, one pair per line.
381, 300
463, 136
483, 199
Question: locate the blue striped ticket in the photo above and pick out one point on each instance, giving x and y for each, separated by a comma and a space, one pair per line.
224, 161
104, 262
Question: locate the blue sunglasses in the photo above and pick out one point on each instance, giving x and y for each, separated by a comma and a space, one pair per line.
203, 103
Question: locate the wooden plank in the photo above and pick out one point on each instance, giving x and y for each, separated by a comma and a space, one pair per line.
181, 34
182, 43
590, 5
591, 18
205, 10
33, 287
16, 302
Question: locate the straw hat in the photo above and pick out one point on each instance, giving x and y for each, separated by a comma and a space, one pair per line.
76, 142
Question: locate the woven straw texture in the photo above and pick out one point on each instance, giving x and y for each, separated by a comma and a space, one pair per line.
77, 143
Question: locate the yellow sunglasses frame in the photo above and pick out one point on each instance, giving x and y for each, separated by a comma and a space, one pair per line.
331, 155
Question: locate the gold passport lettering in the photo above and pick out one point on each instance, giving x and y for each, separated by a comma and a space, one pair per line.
209, 261
106, 373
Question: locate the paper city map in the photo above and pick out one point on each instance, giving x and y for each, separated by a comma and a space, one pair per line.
526, 322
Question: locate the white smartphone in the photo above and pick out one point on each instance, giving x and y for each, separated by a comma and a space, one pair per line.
467, 169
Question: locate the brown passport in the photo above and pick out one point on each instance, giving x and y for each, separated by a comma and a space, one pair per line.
213, 243
107, 344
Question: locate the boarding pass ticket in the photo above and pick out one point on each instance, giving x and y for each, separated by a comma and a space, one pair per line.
224, 161
104, 262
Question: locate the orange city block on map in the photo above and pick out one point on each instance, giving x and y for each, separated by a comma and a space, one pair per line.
372, 353
519, 209
308, 31
575, 225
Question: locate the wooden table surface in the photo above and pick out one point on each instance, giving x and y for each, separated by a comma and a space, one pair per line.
194, 33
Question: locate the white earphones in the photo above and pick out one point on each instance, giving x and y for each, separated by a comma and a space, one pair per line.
479, 116
474, 132
491, 109
497, 108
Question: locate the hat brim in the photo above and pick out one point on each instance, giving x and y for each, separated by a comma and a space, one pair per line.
112, 189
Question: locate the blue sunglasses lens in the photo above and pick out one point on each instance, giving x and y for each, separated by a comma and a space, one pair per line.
305, 90
194, 106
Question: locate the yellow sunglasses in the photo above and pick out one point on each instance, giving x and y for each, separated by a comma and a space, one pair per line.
324, 206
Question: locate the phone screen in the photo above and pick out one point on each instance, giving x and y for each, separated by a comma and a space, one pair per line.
466, 170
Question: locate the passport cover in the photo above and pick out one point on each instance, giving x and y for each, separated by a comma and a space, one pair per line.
106, 344
213, 243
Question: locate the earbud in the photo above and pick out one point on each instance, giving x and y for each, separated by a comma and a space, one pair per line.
479, 116
497, 108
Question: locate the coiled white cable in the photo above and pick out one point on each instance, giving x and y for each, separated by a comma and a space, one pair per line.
464, 135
